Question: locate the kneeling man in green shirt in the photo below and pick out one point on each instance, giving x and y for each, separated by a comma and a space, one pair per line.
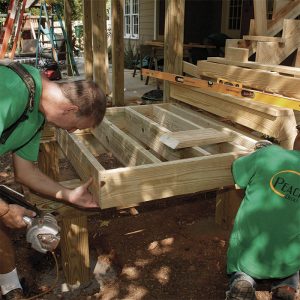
74, 105
265, 240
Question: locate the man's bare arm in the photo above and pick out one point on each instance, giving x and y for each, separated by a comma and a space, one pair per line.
28, 173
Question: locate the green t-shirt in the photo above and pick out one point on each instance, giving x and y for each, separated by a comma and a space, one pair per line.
265, 240
13, 101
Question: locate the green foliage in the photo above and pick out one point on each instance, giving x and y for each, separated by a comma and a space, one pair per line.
130, 55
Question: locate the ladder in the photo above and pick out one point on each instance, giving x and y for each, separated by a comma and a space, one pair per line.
54, 41
12, 27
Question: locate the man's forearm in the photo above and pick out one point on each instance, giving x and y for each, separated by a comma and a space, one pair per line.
28, 174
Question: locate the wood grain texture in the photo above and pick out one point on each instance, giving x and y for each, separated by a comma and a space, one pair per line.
285, 70
196, 137
257, 79
75, 249
173, 40
118, 52
100, 54
280, 127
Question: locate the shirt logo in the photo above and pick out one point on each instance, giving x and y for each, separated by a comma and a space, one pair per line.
283, 184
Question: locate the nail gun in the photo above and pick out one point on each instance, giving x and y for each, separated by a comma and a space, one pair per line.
42, 230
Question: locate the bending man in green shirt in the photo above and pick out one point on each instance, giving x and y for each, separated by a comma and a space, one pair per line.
71, 106
265, 240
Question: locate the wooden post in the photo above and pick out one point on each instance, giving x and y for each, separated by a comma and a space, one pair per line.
48, 159
227, 204
75, 249
118, 52
74, 233
260, 16
173, 41
87, 39
100, 57
68, 27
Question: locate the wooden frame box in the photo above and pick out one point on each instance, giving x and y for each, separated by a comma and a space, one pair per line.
152, 170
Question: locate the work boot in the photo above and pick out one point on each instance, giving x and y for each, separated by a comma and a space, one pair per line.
241, 290
284, 293
16, 294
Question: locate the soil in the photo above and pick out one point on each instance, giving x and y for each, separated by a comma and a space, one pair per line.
167, 249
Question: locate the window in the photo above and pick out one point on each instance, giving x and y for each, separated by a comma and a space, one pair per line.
131, 19
235, 13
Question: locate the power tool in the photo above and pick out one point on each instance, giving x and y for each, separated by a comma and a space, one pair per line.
42, 230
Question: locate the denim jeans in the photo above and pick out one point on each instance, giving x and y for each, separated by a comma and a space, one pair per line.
291, 281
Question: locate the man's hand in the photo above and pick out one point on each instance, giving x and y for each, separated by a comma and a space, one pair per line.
14, 217
82, 197
28, 174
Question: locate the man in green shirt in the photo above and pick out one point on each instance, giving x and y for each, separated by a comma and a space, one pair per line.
74, 105
265, 240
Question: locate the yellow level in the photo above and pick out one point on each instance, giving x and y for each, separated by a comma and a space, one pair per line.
225, 87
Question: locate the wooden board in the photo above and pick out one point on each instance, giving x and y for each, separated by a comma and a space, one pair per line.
276, 122
197, 137
151, 169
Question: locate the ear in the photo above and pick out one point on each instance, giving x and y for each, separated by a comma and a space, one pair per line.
70, 108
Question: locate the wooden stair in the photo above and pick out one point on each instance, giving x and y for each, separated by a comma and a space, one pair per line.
264, 39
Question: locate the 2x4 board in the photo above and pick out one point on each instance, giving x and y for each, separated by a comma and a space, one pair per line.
152, 166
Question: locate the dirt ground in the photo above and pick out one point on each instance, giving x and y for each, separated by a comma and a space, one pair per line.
167, 250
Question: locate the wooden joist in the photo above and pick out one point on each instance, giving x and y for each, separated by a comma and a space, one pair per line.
156, 171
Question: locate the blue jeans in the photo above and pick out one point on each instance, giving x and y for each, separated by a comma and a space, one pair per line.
291, 281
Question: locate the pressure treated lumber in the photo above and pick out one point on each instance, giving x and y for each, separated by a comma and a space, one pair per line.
257, 38
86, 164
289, 11
189, 69
128, 151
75, 250
74, 235
117, 52
173, 40
270, 53
100, 56
278, 123
260, 16
227, 204
285, 70
166, 117
198, 170
237, 54
241, 138
143, 183
87, 39
149, 133
196, 137
257, 79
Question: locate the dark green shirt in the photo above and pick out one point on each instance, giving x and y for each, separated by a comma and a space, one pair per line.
265, 240
13, 101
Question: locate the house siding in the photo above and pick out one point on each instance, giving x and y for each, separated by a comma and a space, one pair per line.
146, 20
146, 25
